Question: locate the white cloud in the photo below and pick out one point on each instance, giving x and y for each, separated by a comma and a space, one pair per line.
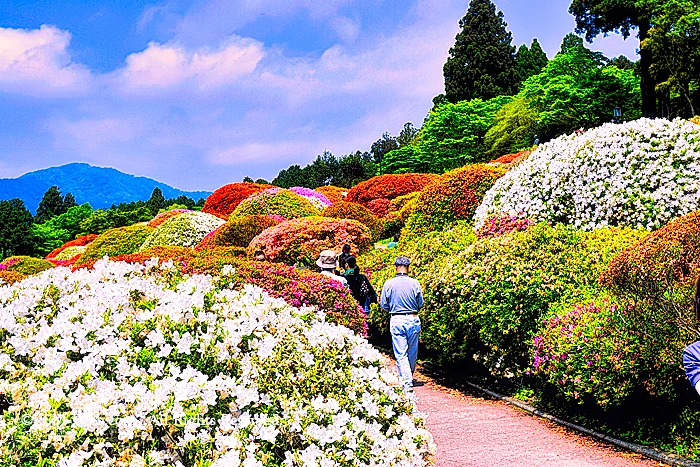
255, 151
37, 62
164, 66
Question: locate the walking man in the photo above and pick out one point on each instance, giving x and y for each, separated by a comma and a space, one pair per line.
402, 297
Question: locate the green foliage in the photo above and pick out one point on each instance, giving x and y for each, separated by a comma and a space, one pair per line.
69, 201
481, 63
26, 265
115, 242
358, 212
51, 205
327, 169
530, 62
157, 201
514, 129
60, 229
452, 136
101, 221
237, 232
15, 229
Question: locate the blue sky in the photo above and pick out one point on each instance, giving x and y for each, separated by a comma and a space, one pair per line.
200, 93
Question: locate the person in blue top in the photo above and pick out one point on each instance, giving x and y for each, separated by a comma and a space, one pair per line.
691, 354
402, 297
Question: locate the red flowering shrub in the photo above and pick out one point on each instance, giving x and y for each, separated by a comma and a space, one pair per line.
379, 206
343, 210
389, 187
10, 277
333, 193
167, 253
224, 201
276, 201
164, 216
115, 242
65, 262
80, 241
453, 197
238, 231
300, 241
297, 287
512, 158
498, 225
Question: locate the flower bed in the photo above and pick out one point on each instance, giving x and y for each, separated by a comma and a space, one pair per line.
343, 210
224, 201
317, 200
25, 265
80, 241
115, 242
638, 174
300, 241
172, 369
499, 225
453, 197
276, 201
238, 231
388, 187
164, 216
333, 193
187, 230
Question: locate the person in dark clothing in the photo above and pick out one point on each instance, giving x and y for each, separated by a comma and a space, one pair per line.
691, 354
344, 255
360, 286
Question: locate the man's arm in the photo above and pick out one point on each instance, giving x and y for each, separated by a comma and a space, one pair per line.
384, 299
419, 296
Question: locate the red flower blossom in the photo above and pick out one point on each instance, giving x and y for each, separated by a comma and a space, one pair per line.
223, 201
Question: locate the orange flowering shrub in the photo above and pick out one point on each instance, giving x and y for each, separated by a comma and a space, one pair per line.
80, 241
388, 187
380, 206
333, 193
696, 119
343, 210
10, 277
164, 216
299, 241
238, 232
224, 201
453, 197
512, 158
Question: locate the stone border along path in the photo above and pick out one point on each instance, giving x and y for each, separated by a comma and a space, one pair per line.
471, 431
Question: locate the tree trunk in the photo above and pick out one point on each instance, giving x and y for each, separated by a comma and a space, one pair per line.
649, 108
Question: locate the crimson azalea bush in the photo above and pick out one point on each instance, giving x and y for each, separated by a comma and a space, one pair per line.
512, 158
388, 187
115, 242
499, 225
591, 351
224, 201
238, 232
276, 202
25, 265
333, 193
164, 216
358, 212
453, 197
380, 206
299, 241
80, 241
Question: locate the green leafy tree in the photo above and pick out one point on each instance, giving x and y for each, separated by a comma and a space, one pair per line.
354, 168
69, 201
594, 17
514, 129
622, 62
60, 229
262, 181
157, 201
530, 61
51, 205
481, 64
102, 220
408, 135
289, 177
382, 147
15, 229
247, 179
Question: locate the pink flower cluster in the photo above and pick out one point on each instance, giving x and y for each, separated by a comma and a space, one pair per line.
499, 225
4, 266
309, 194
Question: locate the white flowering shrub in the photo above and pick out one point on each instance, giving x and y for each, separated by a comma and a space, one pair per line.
136, 365
186, 230
638, 174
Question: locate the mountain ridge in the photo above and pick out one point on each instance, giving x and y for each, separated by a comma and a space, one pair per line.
99, 186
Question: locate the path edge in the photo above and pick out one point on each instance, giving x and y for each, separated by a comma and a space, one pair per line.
652, 453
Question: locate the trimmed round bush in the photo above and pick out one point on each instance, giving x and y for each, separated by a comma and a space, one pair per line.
187, 230
80, 241
453, 197
317, 200
25, 265
164, 216
388, 187
69, 253
224, 201
276, 202
343, 210
299, 241
115, 242
333, 193
172, 367
380, 206
11, 277
638, 174
237, 232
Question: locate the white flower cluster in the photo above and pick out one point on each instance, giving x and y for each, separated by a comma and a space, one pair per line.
187, 230
638, 174
136, 365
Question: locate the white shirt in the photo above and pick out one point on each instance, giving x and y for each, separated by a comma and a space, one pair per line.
332, 275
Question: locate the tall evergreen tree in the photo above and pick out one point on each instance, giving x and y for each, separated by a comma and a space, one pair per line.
69, 201
51, 205
157, 201
538, 57
481, 64
15, 229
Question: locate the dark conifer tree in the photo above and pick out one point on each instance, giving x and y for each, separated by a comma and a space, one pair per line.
157, 201
530, 61
481, 64
51, 205
69, 201
15, 229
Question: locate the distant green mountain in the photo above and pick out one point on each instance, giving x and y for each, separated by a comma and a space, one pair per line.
99, 186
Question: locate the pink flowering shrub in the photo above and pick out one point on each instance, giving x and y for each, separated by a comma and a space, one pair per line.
590, 350
299, 241
318, 200
499, 225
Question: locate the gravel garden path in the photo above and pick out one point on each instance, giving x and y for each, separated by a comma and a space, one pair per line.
474, 432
